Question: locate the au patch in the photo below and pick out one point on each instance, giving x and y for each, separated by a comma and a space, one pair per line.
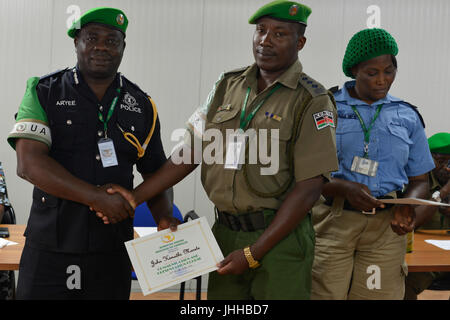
324, 119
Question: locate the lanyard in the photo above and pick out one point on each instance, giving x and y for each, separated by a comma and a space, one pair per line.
245, 121
365, 129
110, 112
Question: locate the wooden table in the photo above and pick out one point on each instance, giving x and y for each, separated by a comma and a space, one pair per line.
427, 257
10, 255
424, 258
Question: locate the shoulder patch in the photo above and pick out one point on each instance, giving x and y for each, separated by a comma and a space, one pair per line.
56, 73
416, 110
313, 87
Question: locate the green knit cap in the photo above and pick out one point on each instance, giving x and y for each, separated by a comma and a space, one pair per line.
111, 17
365, 45
284, 10
440, 143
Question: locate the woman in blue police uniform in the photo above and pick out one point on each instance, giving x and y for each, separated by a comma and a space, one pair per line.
382, 151
78, 130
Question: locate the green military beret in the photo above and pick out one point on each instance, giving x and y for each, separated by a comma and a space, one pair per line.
440, 143
282, 9
365, 45
112, 17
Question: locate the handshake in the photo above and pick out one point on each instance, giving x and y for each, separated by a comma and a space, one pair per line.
114, 203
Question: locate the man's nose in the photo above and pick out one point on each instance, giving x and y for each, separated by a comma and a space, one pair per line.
266, 39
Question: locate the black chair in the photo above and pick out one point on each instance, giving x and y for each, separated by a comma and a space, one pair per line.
9, 217
192, 215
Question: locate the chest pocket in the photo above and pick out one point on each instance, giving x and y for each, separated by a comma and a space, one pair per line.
132, 124
399, 132
69, 129
348, 124
224, 114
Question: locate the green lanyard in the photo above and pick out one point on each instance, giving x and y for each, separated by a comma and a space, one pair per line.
110, 113
365, 129
245, 121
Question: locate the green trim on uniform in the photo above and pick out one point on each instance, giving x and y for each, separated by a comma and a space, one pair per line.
31, 120
284, 10
112, 17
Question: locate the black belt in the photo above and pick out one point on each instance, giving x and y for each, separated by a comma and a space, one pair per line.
247, 222
348, 206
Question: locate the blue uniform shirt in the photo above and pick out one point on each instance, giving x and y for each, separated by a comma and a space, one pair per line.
397, 141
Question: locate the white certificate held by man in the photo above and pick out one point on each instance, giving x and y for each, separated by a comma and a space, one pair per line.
166, 258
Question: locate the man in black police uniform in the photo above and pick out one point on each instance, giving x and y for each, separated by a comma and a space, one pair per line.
78, 130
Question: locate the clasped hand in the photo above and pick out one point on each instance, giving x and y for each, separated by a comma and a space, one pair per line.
118, 204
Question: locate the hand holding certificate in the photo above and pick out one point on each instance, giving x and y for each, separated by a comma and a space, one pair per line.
166, 258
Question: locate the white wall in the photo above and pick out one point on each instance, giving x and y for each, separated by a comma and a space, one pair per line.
177, 48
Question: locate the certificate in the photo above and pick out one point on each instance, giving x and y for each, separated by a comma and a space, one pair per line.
166, 258
415, 201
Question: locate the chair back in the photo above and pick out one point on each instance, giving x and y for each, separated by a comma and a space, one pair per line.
144, 218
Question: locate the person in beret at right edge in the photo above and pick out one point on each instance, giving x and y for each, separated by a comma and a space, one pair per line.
430, 217
382, 147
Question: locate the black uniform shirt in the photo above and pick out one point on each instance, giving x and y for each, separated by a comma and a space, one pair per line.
72, 109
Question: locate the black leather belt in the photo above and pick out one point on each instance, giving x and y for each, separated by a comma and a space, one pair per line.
246, 222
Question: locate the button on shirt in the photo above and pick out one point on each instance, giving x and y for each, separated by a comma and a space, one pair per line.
397, 141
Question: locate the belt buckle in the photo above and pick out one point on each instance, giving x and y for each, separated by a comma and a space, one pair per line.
374, 211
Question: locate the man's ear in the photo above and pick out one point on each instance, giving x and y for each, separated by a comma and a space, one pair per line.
301, 42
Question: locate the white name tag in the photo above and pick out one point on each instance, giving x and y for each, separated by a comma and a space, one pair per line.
235, 151
365, 166
107, 153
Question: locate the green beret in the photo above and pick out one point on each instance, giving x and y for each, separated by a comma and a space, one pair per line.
282, 9
114, 18
365, 45
440, 143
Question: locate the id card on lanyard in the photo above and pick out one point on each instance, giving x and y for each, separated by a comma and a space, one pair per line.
106, 145
237, 143
364, 165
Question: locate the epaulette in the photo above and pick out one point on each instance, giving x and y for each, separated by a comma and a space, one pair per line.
238, 70
135, 86
313, 87
416, 110
334, 89
57, 72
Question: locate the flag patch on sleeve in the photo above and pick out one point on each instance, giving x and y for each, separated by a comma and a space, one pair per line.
324, 119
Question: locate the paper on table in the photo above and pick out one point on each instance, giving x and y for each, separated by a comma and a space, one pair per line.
414, 201
4, 243
145, 231
443, 244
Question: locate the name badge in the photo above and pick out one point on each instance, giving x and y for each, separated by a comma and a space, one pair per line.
365, 166
235, 156
107, 153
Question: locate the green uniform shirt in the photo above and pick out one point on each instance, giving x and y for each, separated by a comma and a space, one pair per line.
314, 151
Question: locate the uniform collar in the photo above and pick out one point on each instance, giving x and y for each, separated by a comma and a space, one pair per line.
76, 77
289, 78
343, 96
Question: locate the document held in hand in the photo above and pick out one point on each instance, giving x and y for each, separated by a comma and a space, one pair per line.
166, 258
415, 201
